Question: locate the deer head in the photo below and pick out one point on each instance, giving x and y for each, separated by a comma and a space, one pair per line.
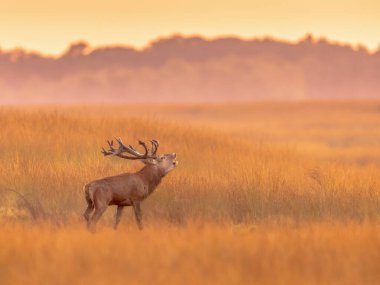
165, 162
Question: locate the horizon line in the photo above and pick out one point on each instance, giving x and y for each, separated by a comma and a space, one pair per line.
148, 44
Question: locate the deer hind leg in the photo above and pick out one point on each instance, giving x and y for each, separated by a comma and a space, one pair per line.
88, 212
100, 207
138, 214
119, 211
100, 201
90, 208
95, 217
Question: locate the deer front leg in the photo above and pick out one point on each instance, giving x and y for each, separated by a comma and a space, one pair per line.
119, 211
138, 215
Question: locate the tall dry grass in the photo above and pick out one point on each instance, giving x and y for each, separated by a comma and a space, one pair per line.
51, 153
272, 193
267, 254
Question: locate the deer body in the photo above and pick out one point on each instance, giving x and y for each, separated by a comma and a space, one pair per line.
127, 189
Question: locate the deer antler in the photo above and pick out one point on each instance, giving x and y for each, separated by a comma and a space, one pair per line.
130, 150
155, 145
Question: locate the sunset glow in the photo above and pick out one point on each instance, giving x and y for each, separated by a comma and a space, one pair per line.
189, 142
50, 26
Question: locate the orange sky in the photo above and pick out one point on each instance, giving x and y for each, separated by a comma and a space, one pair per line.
49, 26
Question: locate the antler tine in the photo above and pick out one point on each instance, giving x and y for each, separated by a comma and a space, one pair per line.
145, 147
113, 151
129, 149
156, 144
153, 147
110, 144
104, 152
120, 142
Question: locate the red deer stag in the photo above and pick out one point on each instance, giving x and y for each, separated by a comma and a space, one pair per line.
127, 189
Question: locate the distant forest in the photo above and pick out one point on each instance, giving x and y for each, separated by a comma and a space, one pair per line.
192, 69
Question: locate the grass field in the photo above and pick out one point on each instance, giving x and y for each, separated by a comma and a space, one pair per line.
277, 193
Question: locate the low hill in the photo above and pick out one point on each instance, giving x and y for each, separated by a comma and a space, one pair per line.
192, 69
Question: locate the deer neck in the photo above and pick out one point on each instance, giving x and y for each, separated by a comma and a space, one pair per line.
152, 175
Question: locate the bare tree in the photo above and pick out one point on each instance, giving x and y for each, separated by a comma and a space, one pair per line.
127, 189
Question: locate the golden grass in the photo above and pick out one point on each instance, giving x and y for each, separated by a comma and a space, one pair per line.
278, 193
267, 254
